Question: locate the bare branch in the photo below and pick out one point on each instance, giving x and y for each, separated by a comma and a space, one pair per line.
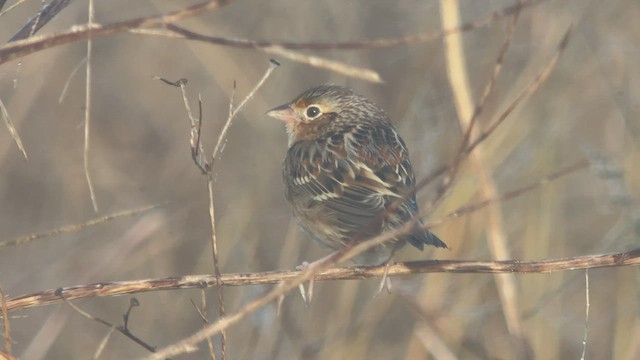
207, 166
509, 195
73, 73
488, 89
272, 66
216, 264
218, 148
16, 4
118, 288
357, 45
327, 64
530, 89
30, 45
87, 114
77, 227
122, 329
586, 315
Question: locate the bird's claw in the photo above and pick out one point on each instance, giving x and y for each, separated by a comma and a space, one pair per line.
307, 295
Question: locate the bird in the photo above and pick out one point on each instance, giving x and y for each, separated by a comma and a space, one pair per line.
347, 174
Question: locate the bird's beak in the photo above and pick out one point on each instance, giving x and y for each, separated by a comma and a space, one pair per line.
283, 112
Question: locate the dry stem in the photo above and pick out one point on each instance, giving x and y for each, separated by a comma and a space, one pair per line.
119, 288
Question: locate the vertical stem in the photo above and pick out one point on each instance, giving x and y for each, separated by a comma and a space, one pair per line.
87, 112
459, 81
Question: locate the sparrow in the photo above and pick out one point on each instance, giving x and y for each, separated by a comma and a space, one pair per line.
347, 174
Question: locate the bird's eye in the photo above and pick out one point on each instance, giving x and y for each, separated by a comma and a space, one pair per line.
313, 111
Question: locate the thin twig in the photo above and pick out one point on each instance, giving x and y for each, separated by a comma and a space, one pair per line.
133, 302
17, 3
488, 89
75, 70
216, 264
273, 64
77, 227
203, 315
205, 320
216, 151
586, 315
314, 61
197, 150
207, 166
338, 67
87, 113
449, 172
100, 348
509, 195
60, 293
12, 129
452, 170
311, 60
528, 91
5, 321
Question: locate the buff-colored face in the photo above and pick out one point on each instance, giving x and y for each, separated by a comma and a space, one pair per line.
305, 114
303, 110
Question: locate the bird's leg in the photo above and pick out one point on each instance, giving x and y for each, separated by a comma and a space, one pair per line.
308, 295
385, 282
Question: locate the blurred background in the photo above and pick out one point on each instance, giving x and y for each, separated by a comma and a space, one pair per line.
140, 155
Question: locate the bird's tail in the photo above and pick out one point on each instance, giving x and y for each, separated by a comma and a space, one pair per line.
422, 237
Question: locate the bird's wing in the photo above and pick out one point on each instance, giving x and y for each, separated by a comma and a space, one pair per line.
345, 182
382, 149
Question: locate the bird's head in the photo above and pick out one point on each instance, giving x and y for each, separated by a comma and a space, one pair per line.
324, 109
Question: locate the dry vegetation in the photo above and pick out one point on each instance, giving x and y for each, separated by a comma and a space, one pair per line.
548, 175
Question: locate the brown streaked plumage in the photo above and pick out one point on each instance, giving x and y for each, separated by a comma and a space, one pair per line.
345, 167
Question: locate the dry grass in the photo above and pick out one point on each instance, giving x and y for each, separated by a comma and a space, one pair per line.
140, 155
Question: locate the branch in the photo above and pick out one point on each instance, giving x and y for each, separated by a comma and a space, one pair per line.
117, 288
356, 45
20, 48
32, 44
77, 227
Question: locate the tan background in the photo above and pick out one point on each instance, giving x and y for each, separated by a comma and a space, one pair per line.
140, 155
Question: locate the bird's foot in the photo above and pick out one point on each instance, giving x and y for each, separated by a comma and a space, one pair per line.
308, 294
385, 282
